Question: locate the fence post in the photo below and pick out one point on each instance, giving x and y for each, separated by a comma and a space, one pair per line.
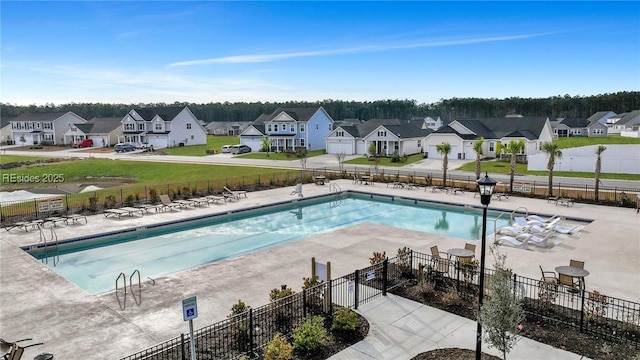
35, 207
251, 334
66, 200
304, 302
330, 295
457, 275
385, 274
411, 261
355, 289
582, 311
182, 345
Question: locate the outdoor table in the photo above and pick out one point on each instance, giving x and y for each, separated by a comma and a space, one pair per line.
573, 272
319, 180
365, 179
460, 253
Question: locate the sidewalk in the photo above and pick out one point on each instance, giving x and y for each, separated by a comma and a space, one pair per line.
401, 329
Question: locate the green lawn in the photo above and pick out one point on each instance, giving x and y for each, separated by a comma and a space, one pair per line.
384, 161
145, 173
569, 142
279, 156
504, 167
7, 159
213, 143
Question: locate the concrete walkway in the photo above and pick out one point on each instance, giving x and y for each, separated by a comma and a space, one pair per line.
401, 329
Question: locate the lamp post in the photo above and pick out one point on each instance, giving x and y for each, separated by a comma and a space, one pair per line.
486, 186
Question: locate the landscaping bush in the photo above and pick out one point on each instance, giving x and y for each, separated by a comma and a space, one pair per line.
309, 335
278, 349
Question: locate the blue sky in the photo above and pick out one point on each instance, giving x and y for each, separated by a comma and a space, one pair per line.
209, 51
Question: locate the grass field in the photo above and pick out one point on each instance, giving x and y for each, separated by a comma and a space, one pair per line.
569, 142
504, 167
279, 156
384, 161
213, 143
7, 159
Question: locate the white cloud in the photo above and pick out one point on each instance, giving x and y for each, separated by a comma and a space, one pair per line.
259, 58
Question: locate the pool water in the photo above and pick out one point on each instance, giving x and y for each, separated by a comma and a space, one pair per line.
95, 268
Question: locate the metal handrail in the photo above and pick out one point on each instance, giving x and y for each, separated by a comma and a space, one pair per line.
526, 212
122, 304
333, 187
54, 239
138, 300
495, 225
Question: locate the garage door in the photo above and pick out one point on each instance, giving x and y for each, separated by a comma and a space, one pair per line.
254, 144
433, 152
337, 148
157, 143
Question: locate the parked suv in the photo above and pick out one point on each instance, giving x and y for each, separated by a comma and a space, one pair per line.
226, 148
83, 143
124, 147
240, 149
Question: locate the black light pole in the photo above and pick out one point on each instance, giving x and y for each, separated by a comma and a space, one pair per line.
485, 187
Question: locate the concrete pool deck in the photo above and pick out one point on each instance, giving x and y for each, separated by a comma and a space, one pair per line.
35, 302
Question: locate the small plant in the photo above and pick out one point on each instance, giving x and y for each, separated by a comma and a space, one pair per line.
344, 320
311, 282
423, 290
451, 299
110, 202
547, 294
378, 257
129, 200
283, 292
596, 306
153, 196
239, 308
278, 348
186, 192
93, 204
404, 260
310, 334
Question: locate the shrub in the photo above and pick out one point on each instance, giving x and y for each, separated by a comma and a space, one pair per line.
344, 319
278, 349
378, 257
110, 202
309, 334
404, 260
283, 292
311, 282
239, 308
240, 326
129, 200
153, 196
423, 290
596, 305
451, 299
93, 203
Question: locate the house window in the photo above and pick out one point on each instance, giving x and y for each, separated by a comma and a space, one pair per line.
29, 126
491, 146
269, 127
301, 127
292, 128
302, 142
47, 137
382, 133
73, 128
317, 126
598, 131
340, 133
47, 126
38, 125
129, 127
419, 143
141, 126
188, 126
275, 127
284, 127
158, 126
192, 137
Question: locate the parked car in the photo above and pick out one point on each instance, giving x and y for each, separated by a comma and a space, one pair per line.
83, 143
226, 149
240, 149
124, 147
142, 146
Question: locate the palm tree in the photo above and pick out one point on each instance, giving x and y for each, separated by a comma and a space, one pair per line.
266, 145
477, 148
444, 149
514, 147
599, 150
552, 149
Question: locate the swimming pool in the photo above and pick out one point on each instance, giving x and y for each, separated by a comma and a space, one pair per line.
94, 265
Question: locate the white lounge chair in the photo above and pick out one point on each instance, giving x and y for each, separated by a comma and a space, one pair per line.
542, 239
542, 219
547, 225
235, 194
514, 242
568, 229
297, 190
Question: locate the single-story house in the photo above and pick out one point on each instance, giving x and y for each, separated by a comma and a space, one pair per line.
388, 136
46, 127
462, 133
103, 131
625, 122
227, 128
566, 127
163, 127
289, 129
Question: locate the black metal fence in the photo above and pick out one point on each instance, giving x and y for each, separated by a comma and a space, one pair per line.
248, 333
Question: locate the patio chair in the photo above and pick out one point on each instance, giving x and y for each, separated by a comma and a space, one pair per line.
471, 247
568, 229
235, 194
297, 190
576, 264
15, 350
542, 219
440, 265
521, 243
549, 276
75, 218
166, 201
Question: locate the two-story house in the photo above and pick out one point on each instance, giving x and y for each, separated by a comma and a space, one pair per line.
289, 129
103, 131
43, 128
163, 127
462, 133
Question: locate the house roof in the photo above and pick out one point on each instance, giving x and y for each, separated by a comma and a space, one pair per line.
575, 122
598, 116
166, 113
633, 118
449, 130
298, 114
103, 125
5, 120
40, 116
497, 128
402, 128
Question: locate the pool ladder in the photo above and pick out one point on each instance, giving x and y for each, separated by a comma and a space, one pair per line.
138, 299
53, 242
333, 187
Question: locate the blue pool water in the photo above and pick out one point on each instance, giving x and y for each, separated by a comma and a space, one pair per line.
156, 253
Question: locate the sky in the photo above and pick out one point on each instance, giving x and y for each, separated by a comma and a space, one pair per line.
135, 52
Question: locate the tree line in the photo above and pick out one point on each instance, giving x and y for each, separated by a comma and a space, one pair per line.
456, 108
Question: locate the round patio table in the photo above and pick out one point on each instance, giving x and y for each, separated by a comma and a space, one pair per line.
572, 271
460, 253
